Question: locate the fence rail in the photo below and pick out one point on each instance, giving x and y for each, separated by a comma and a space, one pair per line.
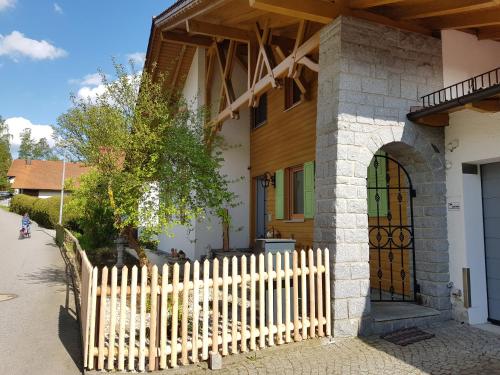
138, 319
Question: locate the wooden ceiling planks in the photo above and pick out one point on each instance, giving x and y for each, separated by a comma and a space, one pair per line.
481, 17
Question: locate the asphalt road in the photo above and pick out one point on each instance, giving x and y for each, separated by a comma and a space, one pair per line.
39, 333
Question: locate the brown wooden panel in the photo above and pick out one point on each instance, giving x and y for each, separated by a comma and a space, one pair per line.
287, 139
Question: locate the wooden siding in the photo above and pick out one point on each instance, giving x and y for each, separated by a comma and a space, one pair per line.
288, 138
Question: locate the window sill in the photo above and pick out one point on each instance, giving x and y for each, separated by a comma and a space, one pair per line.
259, 125
294, 221
293, 106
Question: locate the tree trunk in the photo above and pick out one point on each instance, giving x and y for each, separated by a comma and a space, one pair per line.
128, 233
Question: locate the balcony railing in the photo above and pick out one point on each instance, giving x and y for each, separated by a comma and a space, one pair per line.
461, 89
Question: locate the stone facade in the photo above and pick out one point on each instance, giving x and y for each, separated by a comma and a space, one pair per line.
370, 75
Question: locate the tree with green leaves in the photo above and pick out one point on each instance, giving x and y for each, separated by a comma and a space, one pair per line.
5, 156
34, 150
149, 156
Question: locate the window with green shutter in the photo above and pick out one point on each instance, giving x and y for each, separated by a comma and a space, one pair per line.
309, 195
377, 178
279, 195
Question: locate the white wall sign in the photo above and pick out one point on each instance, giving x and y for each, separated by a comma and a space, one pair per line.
453, 206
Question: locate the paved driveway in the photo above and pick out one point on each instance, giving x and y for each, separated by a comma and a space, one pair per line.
39, 333
455, 350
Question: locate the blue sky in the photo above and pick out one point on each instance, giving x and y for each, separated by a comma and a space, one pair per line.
51, 48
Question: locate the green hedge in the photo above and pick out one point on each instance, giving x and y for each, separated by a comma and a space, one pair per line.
45, 212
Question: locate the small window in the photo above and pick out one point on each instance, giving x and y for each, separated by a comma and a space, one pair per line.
296, 192
293, 95
259, 114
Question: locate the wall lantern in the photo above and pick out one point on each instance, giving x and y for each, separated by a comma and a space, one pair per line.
268, 179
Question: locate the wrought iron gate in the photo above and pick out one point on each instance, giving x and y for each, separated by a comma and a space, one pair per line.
391, 231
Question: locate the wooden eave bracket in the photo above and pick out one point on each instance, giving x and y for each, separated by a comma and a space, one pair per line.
490, 105
434, 120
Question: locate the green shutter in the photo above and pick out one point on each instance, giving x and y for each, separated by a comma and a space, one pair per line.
377, 177
309, 197
279, 195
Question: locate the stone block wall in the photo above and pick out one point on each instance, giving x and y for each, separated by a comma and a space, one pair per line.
370, 75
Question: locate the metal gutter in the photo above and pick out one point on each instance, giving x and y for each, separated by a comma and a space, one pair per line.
459, 102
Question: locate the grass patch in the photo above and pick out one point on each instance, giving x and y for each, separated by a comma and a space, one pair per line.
5, 208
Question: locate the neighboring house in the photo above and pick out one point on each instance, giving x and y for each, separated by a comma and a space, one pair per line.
338, 149
42, 178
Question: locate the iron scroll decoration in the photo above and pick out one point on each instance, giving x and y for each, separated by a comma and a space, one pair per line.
391, 238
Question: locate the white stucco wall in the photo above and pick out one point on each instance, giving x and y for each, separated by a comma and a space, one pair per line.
464, 56
48, 193
207, 233
236, 134
478, 137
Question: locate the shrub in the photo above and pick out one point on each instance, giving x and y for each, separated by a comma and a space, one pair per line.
20, 204
45, 211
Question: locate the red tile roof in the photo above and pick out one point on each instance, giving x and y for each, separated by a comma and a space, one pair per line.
43, 174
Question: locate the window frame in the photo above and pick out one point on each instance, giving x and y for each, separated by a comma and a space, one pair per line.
256, 125
289, 92
290, 191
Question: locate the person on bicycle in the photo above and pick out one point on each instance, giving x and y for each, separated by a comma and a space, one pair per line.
25, 223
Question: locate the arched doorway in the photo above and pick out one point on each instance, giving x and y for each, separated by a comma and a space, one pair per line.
391, 231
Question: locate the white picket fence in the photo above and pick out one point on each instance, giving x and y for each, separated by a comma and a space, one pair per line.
133, 320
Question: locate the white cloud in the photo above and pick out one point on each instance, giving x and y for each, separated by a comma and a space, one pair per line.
18, 124
57, 8
88, 92
137, 58
4, 4
17, 45
93, 79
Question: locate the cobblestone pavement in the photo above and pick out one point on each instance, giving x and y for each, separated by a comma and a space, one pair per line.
456, 349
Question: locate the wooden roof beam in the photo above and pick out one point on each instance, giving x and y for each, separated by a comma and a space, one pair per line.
311, 10
441, 8
365, 4
488, 33
217, 31
486, 17
186, 39
266, 83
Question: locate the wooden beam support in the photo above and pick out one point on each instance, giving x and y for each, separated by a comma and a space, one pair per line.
298, 41
178, 66
365, 4
296, 78
184, 38
226, 68
306, 61
435, 120
490, 105
485, 17
265, 83
262, 39
217, 31
311, 10
440, 8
